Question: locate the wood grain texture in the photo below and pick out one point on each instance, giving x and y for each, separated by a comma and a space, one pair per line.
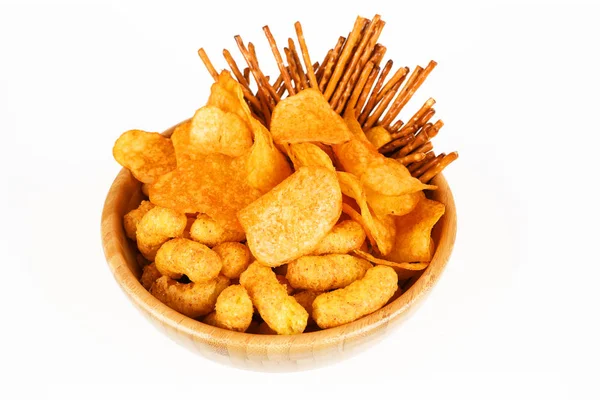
265, 352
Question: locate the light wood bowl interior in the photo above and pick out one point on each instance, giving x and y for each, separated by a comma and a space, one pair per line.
264, 352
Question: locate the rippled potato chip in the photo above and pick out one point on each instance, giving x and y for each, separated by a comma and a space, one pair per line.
393, 205
343, 238
156, 227
413, 232
404, 270
214, 185
309, 155
321, 273
181, 256
378, 136
291, 220
133, 218
148, 155
307, 117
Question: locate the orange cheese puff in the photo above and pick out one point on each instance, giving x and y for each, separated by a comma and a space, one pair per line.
192, 299
183, 256
358, 299
342, 239
305, 299
235, 257
234, 309
209, 232
281, 311
156, 227
133, 218
149, 276
283, 280
332, 271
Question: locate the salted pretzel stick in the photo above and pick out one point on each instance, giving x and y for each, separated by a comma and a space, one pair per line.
293, 70
281, 89
408, 93
421, 138
389, 117
425, 118
358, 87
367, 89
397, 126
331, 63
357, 55
319, 72
395, 144
415, 166
418, 115
434, 161
211, 69
247, 74
306, 56
371, 102
240, 77
411, 158
387, 99
278, 82
439, 167
346, 52
298, 63
263, 85
398, 76
424, 148
282, 69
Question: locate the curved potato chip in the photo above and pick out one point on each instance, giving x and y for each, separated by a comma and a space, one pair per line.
148, 155
307, 117
214, 185
394, 205
226, 94
211, 130
413, 232
404, 270
290, 220
378, 136
309, 154
381, 228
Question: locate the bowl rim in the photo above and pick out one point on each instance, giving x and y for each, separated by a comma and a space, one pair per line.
113, 234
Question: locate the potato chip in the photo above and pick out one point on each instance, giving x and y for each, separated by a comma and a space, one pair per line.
378, 136
394, 205
404, 270
307, 155
381, 228
226, 94
307, 117
290, 220
413, 232
181, 256
213, 185
147, 155
321, 273
343, 238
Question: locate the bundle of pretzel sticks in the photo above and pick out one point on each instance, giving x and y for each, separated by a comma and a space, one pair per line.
350, 77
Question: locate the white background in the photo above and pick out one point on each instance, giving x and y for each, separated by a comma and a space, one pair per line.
514, 316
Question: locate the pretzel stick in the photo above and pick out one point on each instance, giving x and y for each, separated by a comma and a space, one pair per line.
415, 166
282, 69
346, 52
439, 167
281, 89
263, 85
247, 74
367, 89
418, 115
411, 158
211, 69
240, 77
321, 70
397, 126
398, 76
425, 118
389, 116
420, 139
408, 93
371, 103
358, 87
395, 144
335, 54
387, 99
434, 161
357, 55
424, 148
293, 70
305, 55
298, 63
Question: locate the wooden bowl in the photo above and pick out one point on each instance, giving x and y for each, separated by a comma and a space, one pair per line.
264, 352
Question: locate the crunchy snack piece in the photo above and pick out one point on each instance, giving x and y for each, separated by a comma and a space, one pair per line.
286, 284
305, 298
358, 299
149, 276
413, 232
309, 154
191, 299
156, 227
307, 117
235, 257
346, 236
215, 185
183, 256
147, 155
207, 231
233, 310
403, 270
280, 311
226, 94
133, 218
378, 136
321, 273
393, 205
291, 220
145, 189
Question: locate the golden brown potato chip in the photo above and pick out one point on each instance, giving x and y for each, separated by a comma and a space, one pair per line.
207, 231
378, 136
404, 270
290, 220
147, 155
226, 94
356, 300
181, 256
307, 155
213, 185
307, 117
413, 232
394, 205
321, 273
212, 130
156, 227
381, 228
281, 311
343, 238
133, 218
